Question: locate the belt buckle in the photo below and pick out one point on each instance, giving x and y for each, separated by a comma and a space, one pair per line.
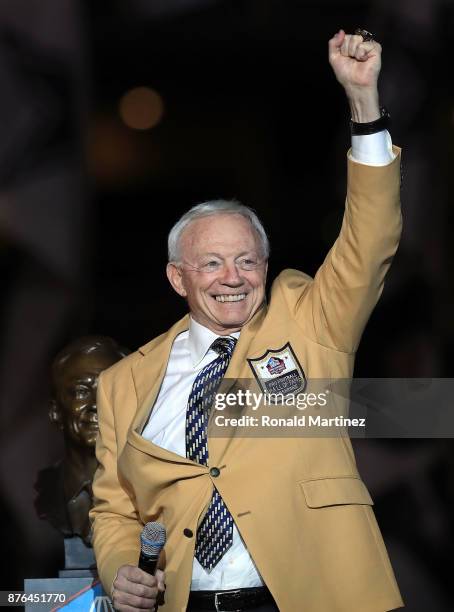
216, 600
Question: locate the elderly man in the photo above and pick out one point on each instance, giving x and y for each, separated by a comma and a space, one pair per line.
266, 523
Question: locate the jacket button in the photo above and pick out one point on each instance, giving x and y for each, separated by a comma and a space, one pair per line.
214, 472
188, 533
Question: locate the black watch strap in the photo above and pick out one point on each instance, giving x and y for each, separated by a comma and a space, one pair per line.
364, 129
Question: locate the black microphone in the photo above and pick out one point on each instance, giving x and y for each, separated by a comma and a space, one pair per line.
152, 540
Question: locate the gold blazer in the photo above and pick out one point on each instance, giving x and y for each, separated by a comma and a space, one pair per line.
299, 503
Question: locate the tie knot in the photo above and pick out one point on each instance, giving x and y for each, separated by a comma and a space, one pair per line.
224, 345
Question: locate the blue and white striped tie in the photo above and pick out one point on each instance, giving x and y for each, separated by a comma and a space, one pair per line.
214, 536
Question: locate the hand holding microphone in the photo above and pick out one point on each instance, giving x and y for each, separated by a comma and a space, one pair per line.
138, 588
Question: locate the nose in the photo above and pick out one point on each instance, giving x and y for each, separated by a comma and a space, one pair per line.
230, 275
91, 400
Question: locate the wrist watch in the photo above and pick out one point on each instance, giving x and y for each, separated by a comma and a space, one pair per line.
364, 129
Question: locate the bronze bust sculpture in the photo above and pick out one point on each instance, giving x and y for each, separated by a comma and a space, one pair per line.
64, 490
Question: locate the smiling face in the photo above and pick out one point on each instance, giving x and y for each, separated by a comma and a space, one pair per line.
222, 272
75, 401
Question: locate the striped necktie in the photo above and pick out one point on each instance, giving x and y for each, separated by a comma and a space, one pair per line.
215, 534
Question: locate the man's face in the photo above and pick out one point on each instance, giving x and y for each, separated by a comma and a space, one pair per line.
76, 395
222, 272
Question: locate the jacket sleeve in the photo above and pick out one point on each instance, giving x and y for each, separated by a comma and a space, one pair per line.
115, 522
335, 306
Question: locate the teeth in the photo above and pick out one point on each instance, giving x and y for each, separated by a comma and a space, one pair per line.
231, 298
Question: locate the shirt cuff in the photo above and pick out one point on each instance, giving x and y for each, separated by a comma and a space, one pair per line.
373, 149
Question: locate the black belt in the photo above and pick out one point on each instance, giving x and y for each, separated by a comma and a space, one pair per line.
229, 601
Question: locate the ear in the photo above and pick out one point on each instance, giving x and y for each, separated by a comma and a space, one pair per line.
175, 276
55, 414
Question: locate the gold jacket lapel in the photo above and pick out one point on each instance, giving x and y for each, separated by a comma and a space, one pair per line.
238, 367
149, 371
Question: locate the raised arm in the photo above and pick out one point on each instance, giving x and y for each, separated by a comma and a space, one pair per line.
333, 309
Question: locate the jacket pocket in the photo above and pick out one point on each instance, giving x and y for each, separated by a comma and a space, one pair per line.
335, 491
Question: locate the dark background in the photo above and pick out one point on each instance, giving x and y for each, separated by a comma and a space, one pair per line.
250, 110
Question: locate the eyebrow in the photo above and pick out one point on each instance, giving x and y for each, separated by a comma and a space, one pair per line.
82, 378
252, 252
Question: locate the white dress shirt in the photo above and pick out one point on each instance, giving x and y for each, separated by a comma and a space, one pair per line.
373, 150
189, 355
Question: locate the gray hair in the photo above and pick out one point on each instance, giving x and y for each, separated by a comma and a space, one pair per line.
215, 207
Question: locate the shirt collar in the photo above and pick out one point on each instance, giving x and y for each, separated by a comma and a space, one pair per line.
200, 338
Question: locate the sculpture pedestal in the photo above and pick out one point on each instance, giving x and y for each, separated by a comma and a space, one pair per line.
78, 584
79, 560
